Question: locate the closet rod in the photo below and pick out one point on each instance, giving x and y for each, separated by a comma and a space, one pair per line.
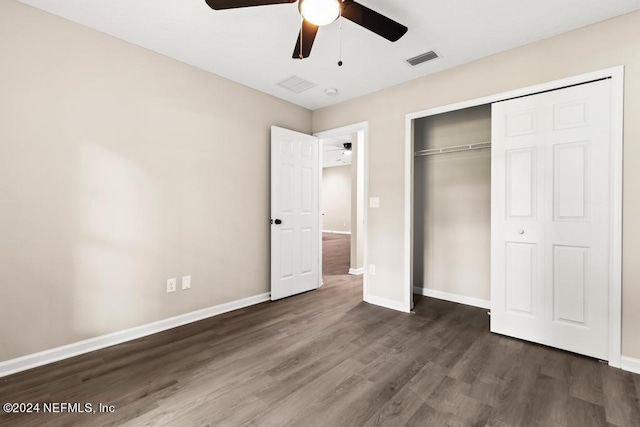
453, 149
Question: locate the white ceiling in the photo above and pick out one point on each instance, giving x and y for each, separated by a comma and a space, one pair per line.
253, 46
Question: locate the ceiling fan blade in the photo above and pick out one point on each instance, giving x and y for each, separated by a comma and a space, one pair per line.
233, 4
307, 36
373, 21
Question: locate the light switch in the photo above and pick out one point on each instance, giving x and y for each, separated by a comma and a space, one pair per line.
374, 202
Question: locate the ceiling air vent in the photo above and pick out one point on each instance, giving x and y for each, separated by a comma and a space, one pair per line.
296, 84
424, 57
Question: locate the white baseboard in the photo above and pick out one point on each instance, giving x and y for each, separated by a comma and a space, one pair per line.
336, 232
460, 299
630, 364
29, 361
386, 303
356, 271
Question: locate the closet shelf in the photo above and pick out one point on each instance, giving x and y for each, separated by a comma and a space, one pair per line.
454, 149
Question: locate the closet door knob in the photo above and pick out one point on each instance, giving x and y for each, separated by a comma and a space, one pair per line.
520, 231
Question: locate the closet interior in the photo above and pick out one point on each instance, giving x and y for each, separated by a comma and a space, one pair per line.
452, 203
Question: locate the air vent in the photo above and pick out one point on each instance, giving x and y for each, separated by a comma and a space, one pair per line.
422, 58
296, 84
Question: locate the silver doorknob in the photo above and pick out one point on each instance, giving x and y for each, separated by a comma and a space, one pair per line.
520, 231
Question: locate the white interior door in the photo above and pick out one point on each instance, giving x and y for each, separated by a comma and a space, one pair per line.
295, 196
551, 218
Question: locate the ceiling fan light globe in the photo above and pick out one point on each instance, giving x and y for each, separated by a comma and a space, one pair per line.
320, 12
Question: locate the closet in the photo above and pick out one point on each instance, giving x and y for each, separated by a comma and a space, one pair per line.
452, 205
513, 205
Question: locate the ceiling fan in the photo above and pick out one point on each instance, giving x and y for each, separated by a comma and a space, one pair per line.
341, 146
316, 13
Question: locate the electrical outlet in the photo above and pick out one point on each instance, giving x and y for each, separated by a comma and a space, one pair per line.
186, 282
171, 285
374, 202
372, 269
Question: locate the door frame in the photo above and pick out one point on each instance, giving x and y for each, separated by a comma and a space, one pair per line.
333, 133
616, 74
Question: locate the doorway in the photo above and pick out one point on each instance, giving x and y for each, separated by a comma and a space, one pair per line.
343, 192
337, 190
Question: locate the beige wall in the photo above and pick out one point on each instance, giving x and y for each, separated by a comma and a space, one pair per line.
452, 205
336, 198
606, 44
120, 168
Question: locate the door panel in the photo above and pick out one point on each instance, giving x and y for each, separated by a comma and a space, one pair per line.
286, 253
306, 251
521, 184
520, 274
286, 189
294, 204
570, 277
521, 123
550, 218
571, 181
569, 115
306, 191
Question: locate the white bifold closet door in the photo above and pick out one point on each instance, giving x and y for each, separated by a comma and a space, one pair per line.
550, 218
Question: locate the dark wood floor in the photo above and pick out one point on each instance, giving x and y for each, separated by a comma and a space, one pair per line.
336, 256
325, 358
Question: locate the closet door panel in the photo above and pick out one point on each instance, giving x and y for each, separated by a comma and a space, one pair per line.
571, 181
520, 272
521, 123
576, 231
570, 283
516, 258
521, 184
550, 218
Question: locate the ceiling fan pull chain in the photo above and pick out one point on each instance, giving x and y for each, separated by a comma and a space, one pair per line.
301, 29
340, 39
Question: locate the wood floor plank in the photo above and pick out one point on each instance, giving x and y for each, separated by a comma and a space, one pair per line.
449, 395
398, 410
586, 381
427, 380
391, 376
352, 402
287, 411
620, 398
581, 413
547, 403
279, 389
428, 416
514, 393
